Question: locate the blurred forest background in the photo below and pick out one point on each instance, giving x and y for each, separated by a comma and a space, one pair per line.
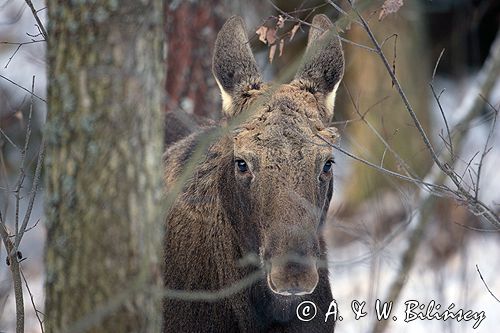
388, 239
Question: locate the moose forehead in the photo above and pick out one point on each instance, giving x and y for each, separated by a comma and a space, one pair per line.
287, 123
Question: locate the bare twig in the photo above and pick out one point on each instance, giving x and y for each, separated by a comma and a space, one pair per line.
21, 176
19, 45
437, 64
487, 77
19, 86
486, 149
12, 248
34, 189
436, 97
31, 227
20, 231
8, 139
37, 19
429, 186
16, 275
398, 86
37, 312
399, 159
488, 288
296, 19
211, 296
468, 165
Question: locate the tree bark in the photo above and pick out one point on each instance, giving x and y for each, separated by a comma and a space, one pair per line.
191, 28
103, 166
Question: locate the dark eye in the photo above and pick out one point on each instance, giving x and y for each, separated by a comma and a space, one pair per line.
242, 165
328, 166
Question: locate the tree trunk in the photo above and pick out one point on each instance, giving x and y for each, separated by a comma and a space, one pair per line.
191, 28
103, 166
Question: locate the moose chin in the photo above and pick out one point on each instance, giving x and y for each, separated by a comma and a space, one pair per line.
261, 190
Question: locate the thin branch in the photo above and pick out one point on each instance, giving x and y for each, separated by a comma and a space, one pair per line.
394, 51
359, 117
430, 186
19, 86
37, 19
41, 9
22, 174
348, 41
33, 192
296, 19
437, 64
476, 229
19, 45
487, 78
13, 54
399, 159
486, 150
484, 282
211, 296
12, 247
37, 312
16, 276
9, 140
292, 18
396, 83
468, 166
436, 97
338, 8
31, 227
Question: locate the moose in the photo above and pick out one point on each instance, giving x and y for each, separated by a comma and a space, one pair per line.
261, 190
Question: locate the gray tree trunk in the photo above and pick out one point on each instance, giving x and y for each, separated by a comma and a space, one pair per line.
103, 166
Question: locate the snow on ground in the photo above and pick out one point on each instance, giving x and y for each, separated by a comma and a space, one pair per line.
457, 282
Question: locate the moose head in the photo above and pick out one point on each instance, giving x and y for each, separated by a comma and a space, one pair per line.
280, 183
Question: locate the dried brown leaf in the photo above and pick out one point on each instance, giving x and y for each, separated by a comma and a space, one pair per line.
390, 7
294, 30
262, 32
282, 46
271, 36
272, 51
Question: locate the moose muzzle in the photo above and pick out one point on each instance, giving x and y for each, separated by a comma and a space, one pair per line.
292, 263
292, 276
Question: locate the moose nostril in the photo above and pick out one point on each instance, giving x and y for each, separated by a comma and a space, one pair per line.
297, 291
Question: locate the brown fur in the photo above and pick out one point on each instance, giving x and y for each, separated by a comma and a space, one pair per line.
273, 210
179, 125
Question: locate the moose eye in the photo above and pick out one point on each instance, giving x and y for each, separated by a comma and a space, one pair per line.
328, 166
242, 165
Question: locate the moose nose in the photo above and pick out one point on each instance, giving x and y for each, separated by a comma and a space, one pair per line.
291, 278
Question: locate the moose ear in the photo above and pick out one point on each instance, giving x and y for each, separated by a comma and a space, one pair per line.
322, 67
233, 64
